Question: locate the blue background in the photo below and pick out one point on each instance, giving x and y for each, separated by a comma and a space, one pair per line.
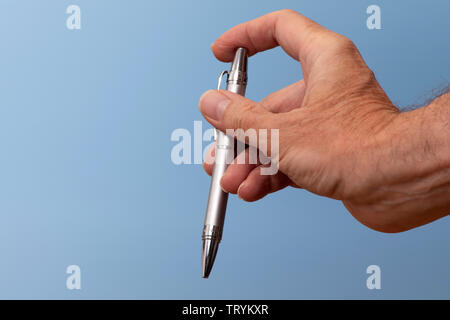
86, 176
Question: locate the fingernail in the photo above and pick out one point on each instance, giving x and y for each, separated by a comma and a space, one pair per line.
213, 104
223, 189
239, 189
209, 158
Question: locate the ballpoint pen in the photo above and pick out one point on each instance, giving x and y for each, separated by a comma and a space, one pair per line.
217, 201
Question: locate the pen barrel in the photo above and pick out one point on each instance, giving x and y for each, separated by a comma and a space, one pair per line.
217, 201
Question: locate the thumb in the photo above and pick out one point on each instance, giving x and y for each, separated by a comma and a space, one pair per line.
227, 110
244, 119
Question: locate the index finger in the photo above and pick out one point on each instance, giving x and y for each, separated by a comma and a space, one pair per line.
299, 36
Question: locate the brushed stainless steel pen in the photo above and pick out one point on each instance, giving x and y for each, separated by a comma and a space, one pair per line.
217, 201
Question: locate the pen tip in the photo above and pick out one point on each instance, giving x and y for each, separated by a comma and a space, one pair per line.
208, 256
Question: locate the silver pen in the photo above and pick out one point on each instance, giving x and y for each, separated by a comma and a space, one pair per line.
217, 201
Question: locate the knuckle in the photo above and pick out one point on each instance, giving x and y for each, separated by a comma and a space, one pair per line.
370, 75
344, 44
287, 11
368, 78
364, 79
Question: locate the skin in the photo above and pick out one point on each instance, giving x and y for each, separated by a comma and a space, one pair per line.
339, 134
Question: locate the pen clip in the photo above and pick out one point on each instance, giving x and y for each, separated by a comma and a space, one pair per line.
219, 82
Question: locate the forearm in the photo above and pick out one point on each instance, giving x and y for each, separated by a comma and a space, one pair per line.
412, 172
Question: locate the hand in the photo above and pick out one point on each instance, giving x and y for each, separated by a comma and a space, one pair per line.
337, 127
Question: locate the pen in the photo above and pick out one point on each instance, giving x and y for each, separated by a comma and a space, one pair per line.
217, 201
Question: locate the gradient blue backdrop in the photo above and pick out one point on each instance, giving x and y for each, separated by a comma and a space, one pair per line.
86, 176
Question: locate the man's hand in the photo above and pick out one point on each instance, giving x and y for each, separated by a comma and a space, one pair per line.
340, 135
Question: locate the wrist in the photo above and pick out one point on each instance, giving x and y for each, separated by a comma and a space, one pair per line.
410, 177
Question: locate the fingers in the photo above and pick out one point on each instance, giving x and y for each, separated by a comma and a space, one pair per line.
257, 186
295, 33
208, 164
245, 179
286, 99
229, 111
237, 172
